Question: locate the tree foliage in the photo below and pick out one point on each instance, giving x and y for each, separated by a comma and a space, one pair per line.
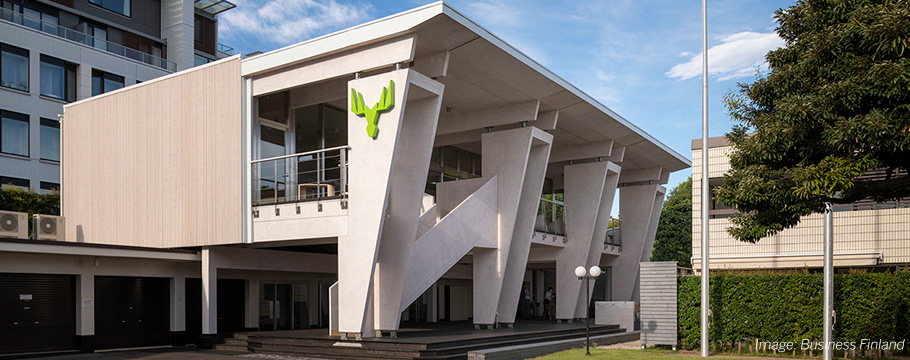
834, 106
674, 230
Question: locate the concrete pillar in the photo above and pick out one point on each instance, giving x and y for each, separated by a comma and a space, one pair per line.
83, 81
178, 309
251, 313
639, 211
177, 28
85, 311
209, 294
584, 189
433, 304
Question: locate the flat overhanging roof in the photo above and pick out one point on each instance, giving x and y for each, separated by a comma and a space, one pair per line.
485, 72
213, 6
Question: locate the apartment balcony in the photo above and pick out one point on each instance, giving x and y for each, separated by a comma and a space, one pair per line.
301, 196
85, 39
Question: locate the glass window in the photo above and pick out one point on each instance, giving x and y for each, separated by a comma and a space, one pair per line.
48, 187
99, 37
118, 6
13, 67
200, 60
103, 82
53, 78
11, 181
50, 140
13, 133
31, 18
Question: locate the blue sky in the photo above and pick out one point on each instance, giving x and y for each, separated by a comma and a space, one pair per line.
640, 58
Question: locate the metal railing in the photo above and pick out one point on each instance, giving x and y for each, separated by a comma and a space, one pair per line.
225, 49
86, 39
551, 217
614, 236
312, 175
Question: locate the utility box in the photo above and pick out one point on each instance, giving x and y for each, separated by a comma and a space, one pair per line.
620, 313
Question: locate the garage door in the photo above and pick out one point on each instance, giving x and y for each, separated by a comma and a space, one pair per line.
38, 313
131, 312
231, 305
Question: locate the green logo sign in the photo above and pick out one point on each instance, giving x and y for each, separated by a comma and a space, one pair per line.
372, 114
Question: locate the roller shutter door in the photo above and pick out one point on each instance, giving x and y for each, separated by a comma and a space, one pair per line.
131, 312
38, 313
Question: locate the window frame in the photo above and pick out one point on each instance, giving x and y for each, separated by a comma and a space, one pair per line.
12, 181
69, 90
129, 7
16, 116
15, 50
45, 122
104, 75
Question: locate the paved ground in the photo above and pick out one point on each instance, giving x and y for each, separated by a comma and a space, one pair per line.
183, 353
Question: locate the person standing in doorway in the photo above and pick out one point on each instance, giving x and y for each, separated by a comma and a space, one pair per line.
548, 303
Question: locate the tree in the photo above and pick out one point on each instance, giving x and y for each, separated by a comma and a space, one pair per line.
674, 230
13, 198
830, 122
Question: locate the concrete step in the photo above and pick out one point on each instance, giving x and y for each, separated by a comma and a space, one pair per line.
225, 347
235, 342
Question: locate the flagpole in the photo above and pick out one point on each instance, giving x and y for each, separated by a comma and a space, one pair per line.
705, 189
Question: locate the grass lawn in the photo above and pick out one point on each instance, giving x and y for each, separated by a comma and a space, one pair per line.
609, 354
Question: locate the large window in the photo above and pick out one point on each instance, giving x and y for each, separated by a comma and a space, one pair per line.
13, 67
121, 7
103, 82
13, 133
50, 140
58, 79
48, 187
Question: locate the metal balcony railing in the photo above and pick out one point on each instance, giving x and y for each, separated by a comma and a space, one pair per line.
312, 175
225, 49
551, 217
86, 39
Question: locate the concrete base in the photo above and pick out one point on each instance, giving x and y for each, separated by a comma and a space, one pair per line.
179, 338
208, 342
620, 313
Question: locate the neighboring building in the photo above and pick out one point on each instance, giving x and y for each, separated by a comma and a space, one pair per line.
57, 52
386, 173
866, 234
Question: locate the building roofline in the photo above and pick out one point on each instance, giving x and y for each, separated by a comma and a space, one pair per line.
403, 22
713, 142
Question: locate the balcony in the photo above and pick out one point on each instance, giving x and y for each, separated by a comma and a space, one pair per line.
225, 49
85, 39
302, 177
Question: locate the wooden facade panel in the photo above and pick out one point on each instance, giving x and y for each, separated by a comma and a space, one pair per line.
157, 165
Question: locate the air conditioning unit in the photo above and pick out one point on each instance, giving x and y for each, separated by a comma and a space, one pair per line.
49, 227
13, 224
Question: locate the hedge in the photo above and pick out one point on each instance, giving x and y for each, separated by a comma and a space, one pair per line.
13, 198
788, 307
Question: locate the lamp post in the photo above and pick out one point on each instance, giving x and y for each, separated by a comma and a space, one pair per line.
587, 276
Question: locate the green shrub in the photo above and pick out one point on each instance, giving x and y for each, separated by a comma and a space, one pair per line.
13, 198
789, 306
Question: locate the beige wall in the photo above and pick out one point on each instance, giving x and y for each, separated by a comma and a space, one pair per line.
878, 230
157, 165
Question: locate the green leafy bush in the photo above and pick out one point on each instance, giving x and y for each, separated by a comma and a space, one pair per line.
788, 307
13, 198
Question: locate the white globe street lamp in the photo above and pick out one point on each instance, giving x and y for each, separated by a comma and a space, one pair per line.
587, 275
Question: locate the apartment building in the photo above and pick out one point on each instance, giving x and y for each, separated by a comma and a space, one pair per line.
411, 169
866, 234
58, 52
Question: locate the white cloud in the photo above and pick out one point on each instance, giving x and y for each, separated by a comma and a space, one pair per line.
289, 21
737, 55
497, 14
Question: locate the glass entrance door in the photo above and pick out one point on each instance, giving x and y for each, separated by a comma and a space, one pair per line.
275, 307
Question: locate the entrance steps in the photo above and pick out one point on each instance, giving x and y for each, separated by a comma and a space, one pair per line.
435, 345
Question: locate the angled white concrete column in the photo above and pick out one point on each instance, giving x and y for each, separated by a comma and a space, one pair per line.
584, 190
505, 154
600, 231
408, 182
639, 210
178, 303
468, 210
370, 163
209, 294
524, 227
85, 304
251, 313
